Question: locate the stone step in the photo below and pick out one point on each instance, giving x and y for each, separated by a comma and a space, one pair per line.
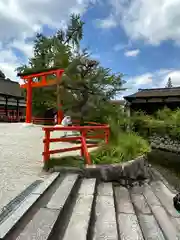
74, 207
9, 223
161, 215
147, 221
62, 193
165, 196
43, 222
105, 218
78, 227
129, 227
169, 230
40, 227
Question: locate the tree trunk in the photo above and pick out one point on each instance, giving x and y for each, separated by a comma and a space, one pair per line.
59, 105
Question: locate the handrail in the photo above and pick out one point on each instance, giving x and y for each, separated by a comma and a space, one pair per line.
38, 120
83, 130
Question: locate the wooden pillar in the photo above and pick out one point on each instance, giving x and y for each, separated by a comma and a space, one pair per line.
17, 110
59, 106
29, 101
6, 106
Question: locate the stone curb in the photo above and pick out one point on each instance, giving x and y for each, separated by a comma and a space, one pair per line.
134, 169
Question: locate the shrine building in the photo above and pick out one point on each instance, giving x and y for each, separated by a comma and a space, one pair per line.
12, 102
151, 100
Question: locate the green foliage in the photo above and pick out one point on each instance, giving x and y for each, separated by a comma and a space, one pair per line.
84, 91
85, 88
127, 147
123, 146
165, 122
163, 114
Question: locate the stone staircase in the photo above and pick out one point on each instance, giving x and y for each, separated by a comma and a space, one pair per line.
67, 207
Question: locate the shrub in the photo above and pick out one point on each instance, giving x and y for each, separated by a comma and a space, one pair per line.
165, 122
163, 114
127, 147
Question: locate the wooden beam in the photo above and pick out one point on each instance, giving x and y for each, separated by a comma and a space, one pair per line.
154, 100
36, 75
139, 100
32, 72
172, 99
40, 84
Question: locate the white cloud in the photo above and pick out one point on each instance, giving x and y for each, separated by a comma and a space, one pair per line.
156, 79
175, 78
142, 79
150, 20
21, 19
26, 17
132, 53
25, 47
8, 63
106, 23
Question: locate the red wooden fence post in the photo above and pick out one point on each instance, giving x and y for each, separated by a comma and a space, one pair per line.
84, 148
107, 135
46, 146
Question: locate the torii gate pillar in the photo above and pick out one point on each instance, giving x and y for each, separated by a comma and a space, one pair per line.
29, 102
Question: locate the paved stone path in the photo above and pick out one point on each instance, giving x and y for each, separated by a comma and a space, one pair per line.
21, 158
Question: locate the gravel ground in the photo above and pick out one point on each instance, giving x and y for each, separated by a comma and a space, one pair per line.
21, 158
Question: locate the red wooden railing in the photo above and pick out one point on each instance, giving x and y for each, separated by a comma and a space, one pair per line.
12, 115
42, 121
83, 130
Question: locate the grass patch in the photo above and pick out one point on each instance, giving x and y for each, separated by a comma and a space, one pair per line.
126, 147
68, 161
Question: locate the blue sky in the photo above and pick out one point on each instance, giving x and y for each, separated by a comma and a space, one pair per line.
139, 38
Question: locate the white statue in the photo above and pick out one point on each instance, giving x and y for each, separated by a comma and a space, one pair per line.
66, 122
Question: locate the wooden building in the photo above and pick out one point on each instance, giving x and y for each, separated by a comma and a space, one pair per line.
151, 100
12, 102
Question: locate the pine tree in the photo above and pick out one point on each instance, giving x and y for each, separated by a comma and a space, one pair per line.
85, 88
169, 83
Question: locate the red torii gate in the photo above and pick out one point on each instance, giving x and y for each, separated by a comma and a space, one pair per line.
30, 83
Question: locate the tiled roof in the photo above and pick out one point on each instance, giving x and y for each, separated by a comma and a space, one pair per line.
11, 88
156, 92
